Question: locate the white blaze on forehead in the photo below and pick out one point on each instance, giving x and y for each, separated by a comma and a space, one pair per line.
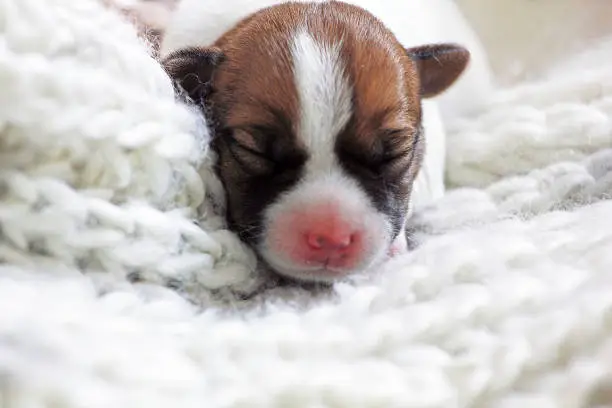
325, 98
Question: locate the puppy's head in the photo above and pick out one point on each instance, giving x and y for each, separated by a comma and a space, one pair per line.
317, 115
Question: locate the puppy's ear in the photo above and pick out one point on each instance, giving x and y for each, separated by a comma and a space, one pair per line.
439, 66
192, 70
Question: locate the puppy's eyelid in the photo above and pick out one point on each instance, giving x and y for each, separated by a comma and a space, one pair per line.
394, 132
245, 139
394, 137
390, 146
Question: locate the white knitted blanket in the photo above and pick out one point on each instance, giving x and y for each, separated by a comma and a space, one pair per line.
111, 296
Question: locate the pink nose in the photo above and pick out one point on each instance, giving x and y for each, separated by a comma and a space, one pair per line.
334, 248
329, 242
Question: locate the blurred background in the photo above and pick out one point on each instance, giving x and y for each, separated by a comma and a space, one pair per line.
523, 38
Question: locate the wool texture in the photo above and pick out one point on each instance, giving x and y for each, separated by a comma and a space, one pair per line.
121, 287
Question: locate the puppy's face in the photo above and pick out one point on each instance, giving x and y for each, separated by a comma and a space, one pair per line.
317, 116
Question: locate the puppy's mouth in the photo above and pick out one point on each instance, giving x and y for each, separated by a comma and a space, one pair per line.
323, 271
319, 273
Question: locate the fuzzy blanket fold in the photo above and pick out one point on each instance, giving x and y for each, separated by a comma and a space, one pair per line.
112, 296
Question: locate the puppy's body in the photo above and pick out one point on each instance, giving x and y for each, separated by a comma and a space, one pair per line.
319, 121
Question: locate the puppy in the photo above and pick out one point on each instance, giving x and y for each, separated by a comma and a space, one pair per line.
319, 121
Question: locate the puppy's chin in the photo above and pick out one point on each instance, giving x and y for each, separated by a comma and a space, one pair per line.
280, 265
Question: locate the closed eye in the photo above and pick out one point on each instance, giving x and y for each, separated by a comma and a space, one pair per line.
391, 157
389, 152
245, 150
395, 147
235, 144
378, 162
261, 151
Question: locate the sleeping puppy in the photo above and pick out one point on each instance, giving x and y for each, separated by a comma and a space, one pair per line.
319, 124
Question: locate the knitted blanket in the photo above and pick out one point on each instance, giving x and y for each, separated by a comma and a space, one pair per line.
121, 287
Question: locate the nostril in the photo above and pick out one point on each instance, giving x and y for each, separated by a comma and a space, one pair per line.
344, 242
315, 241
330, 241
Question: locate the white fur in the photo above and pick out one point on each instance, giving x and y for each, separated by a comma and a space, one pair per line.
506, 303
324, 96
414, 22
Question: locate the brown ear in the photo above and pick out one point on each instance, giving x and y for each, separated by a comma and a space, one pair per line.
192, 70
439, 66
